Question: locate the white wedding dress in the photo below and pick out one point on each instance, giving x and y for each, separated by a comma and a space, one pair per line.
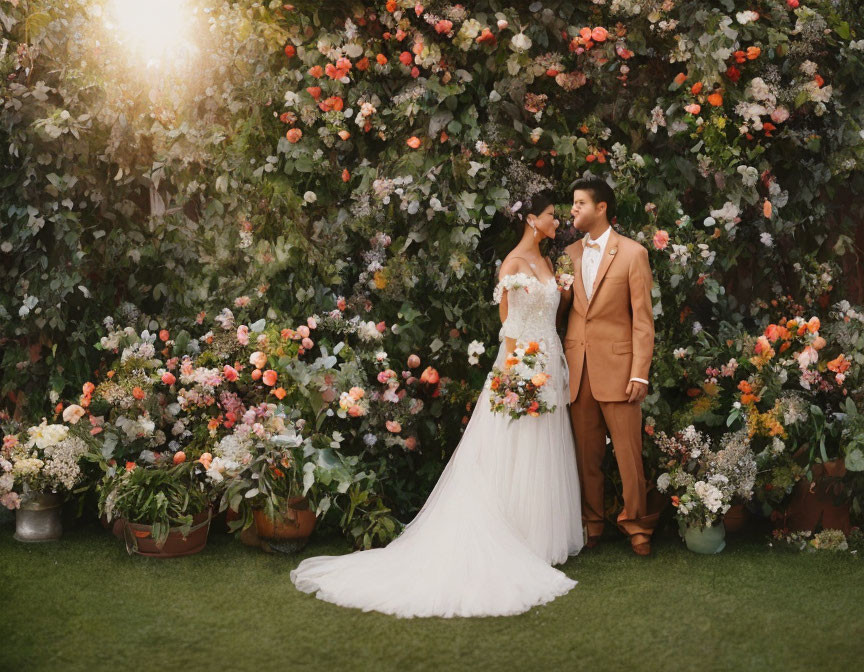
506, 507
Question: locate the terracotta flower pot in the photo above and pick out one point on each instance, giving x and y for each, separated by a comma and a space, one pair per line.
139, 538
816, 503
736, 518
289, 530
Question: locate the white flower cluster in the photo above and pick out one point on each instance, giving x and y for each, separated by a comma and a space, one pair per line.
475, 349
511, 282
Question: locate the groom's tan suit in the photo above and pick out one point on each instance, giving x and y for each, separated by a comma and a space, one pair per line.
610, 341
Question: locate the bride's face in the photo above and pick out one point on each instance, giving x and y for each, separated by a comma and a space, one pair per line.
546, 222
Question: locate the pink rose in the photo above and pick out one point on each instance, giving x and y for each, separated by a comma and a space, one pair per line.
443, 26
393, 426
303, 330
381, 326
168, 378
230, 373
413, 361
661, 239
243, 334
269, 377
312, 322
779, 115
307, 343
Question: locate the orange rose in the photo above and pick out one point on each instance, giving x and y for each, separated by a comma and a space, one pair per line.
269, 377
413, 142
715, 99
430, 376
280, 393
294, 134
138, 393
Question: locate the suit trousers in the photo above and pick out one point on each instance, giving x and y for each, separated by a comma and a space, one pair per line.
591, 421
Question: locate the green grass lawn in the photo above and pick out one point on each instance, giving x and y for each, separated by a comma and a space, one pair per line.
84, 604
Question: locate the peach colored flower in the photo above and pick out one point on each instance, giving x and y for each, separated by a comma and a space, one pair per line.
393, 426
661, 239
443, 26
767, 208
599, 34
269, 377
168, 378
73, 413
413, 361
256, 374
258, 359
356, 393
413, 142
693, 108
303, 330
230, 373
308, 343
293, 135
280, 393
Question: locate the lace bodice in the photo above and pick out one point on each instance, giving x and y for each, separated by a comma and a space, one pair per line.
531, 307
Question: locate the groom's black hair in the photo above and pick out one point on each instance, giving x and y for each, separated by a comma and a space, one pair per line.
600, 192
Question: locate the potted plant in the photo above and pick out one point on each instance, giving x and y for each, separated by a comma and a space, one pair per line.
165, 507
38, 468
704, 483
262, 479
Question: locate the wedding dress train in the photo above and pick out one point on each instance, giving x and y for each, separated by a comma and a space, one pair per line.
506, 507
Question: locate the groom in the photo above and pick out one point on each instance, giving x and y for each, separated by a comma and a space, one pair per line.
608, 346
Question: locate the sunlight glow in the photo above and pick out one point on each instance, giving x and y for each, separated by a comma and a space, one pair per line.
156, 31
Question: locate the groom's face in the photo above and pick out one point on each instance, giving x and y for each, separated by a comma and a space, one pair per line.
584, 210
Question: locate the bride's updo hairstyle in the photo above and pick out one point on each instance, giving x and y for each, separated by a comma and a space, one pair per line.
532, 205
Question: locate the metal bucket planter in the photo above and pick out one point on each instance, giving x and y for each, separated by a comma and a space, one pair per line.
706, 540
38, 518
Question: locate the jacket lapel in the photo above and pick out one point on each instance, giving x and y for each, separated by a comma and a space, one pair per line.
609, 255
579, 295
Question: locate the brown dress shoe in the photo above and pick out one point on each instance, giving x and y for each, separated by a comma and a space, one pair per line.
642, 549
592, 542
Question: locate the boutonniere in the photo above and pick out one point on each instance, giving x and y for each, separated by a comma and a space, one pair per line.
564, 273
613, 250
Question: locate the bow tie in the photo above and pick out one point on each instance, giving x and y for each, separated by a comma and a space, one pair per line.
587, 243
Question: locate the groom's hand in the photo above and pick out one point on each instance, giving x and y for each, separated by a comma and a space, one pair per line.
636, 391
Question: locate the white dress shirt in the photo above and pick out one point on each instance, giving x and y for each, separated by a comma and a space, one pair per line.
591, 258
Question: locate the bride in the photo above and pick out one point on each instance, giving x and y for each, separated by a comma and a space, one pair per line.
507, 505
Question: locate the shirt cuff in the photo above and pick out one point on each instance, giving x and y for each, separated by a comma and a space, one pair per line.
641, 380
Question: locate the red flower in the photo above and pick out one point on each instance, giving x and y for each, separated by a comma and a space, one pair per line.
290, 51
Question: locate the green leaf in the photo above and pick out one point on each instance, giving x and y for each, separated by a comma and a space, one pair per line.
855, 460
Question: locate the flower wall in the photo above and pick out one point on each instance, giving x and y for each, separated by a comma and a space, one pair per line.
309, 158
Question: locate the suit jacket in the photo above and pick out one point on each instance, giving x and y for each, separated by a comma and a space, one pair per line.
614, 332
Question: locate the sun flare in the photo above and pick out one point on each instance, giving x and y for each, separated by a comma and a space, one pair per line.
157, 31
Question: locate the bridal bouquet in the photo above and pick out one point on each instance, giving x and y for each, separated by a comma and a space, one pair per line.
564, 273
522, 387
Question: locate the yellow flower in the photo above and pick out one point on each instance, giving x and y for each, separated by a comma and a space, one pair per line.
380, 280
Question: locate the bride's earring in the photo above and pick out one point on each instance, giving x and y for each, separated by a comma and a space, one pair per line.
534, 226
